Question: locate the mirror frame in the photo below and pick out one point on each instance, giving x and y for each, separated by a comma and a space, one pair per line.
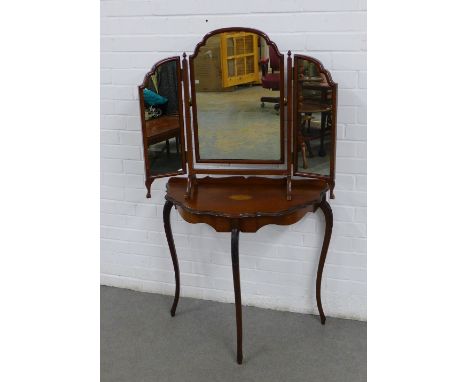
330, 179
193, 103
150, 177
192, 164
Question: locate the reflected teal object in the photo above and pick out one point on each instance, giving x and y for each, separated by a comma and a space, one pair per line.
151, 98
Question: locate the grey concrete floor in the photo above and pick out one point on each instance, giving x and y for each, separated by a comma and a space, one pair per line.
140, 342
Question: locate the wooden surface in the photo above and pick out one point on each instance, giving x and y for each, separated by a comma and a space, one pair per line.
244, 203
239, 204
162, 128
308, 84
308, 106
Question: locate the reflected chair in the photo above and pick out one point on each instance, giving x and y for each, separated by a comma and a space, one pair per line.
319, 130
314, 98
271, 80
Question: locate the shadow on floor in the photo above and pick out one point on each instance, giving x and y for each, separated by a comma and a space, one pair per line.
140, 342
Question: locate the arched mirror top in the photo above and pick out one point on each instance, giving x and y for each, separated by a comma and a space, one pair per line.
233, 30
237, 98
320, 69
153, 70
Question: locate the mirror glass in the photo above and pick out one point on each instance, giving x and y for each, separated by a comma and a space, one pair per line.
313, 119
237, 79
163, 120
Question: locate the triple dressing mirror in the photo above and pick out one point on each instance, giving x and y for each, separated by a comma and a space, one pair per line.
237, 106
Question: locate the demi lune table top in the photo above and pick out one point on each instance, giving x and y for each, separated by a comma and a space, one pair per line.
238, 197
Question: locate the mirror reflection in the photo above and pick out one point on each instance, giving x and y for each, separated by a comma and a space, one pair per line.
163, 124
237, 90
313, 119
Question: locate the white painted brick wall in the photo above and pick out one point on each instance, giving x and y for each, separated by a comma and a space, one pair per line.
278, 264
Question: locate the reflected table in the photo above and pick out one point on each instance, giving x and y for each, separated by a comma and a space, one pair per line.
238, 204
162, 129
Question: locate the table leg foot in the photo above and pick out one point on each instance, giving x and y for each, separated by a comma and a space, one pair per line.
237, 291
327, 211
170, 241
148, 187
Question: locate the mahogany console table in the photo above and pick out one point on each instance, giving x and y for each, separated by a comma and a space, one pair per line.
237, 204
271, 141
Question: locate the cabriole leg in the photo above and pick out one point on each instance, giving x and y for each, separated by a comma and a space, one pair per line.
170, 241
327, 211
237, 291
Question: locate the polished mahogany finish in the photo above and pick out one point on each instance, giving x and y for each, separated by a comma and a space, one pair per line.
170, 241
240, 204
327, 211
253, 201
237, 291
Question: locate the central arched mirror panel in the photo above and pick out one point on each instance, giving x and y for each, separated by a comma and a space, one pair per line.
237, 88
